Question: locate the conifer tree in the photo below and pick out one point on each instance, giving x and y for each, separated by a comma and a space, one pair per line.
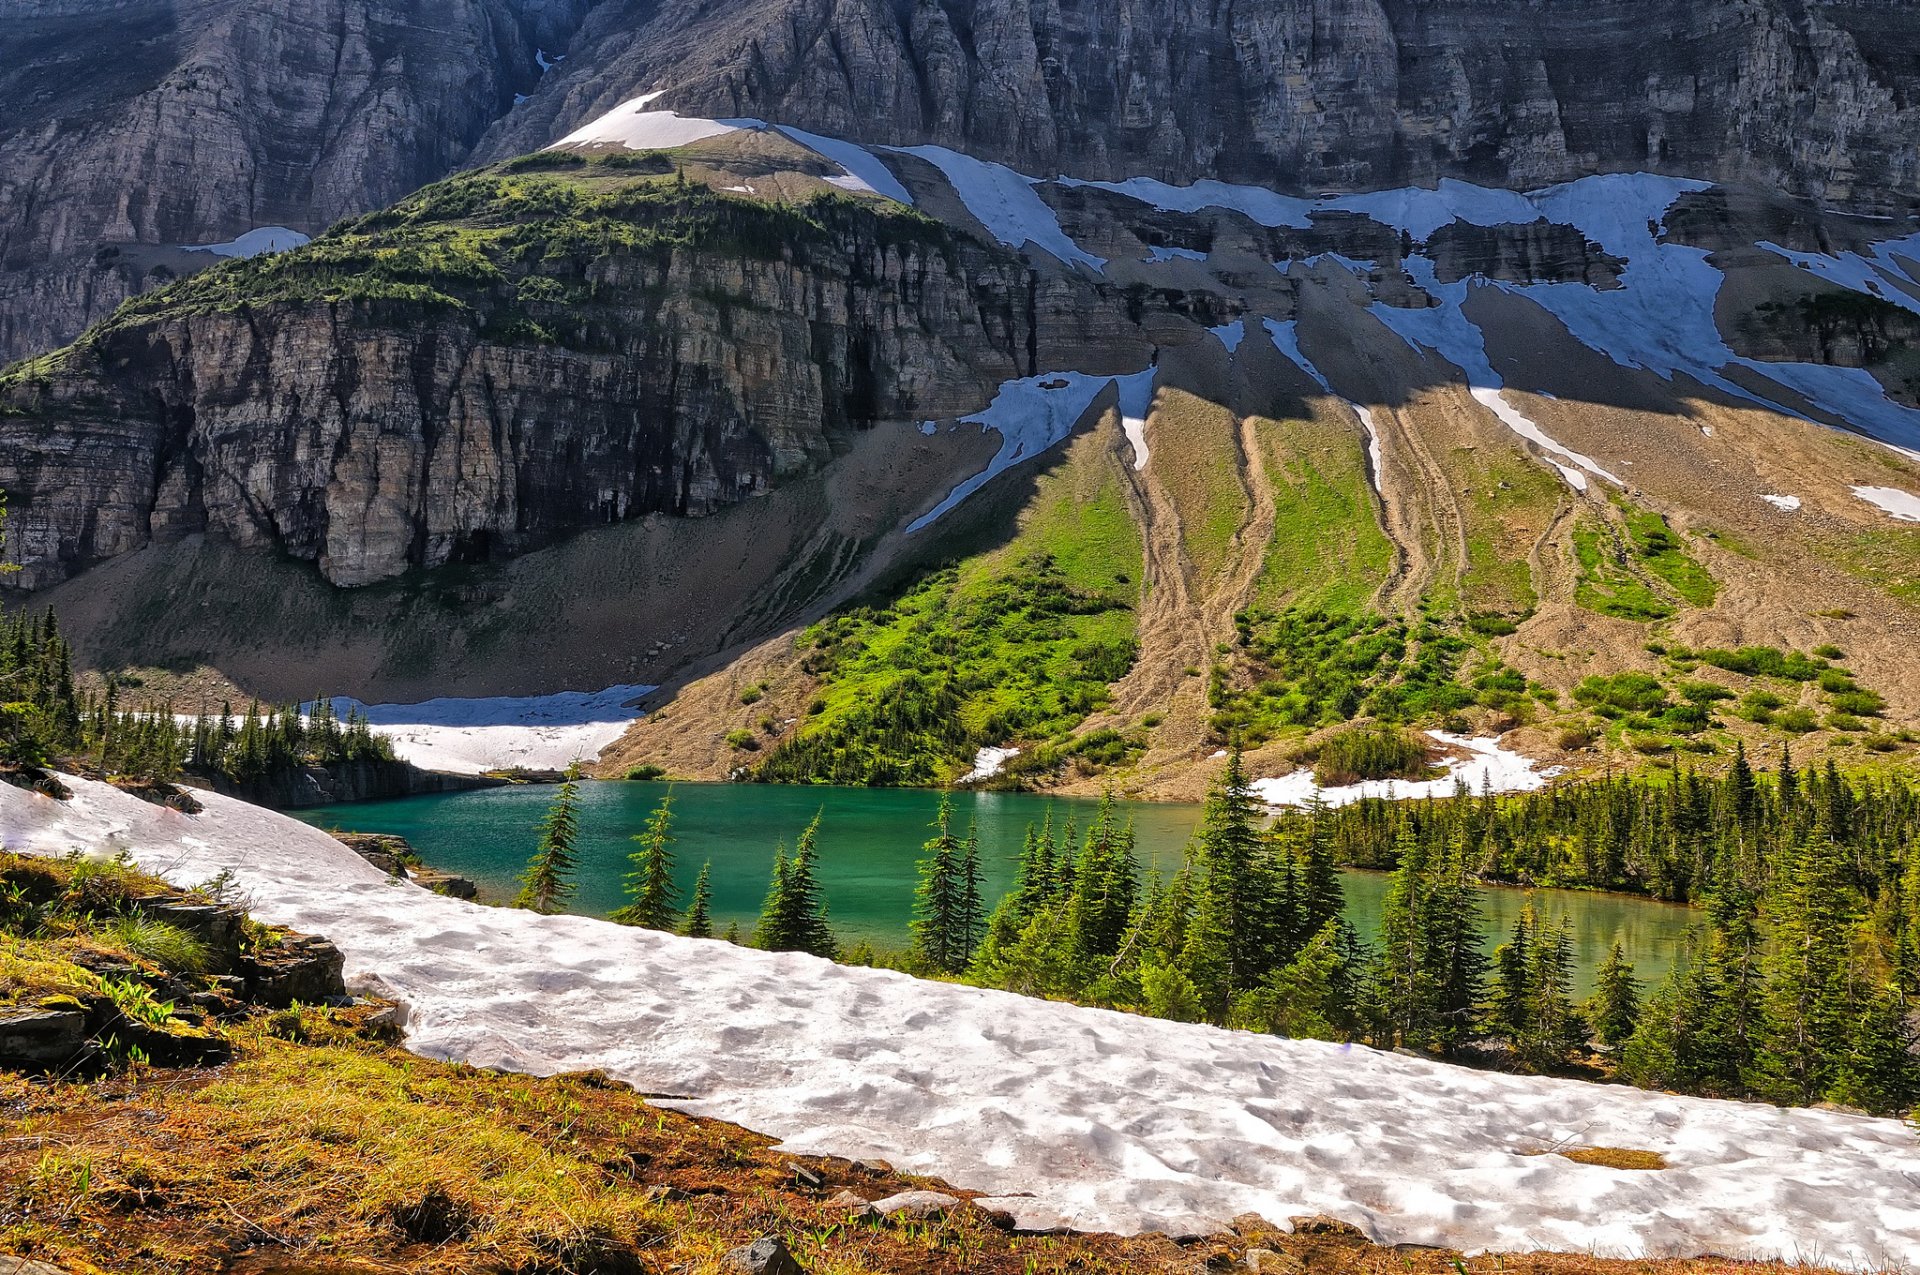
652, 900
1615, 1006
699, 922
547, 883
938, 905
794, 917
1807, 1024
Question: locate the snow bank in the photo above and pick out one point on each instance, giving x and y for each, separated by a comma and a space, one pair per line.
1162, 255
1036, 412
1065, 1114
633, 126
1136, 403
863, 171
537, 732
1005, 203
1486, 768
256, 242
987, 763
1903, 505
1786, 503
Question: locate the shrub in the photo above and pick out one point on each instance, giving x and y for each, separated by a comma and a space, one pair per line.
741, 738
168, 946
1796, 720
1861, 703
1369, 752
646, 772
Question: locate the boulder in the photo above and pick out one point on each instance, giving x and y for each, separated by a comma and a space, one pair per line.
767, 1256
916, 1205
302, 968
34, 1039
1321, 1224
856, 1207
27, 1266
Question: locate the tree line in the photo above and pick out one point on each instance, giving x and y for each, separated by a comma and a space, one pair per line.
1794, 987
46, 720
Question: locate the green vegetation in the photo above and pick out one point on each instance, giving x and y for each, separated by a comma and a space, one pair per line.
948, 915
1369, 752
794, 917
652, 901
1638, 575
1017, 645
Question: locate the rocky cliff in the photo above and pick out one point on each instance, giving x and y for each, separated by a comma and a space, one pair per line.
135, 126
1813, 96
504, 359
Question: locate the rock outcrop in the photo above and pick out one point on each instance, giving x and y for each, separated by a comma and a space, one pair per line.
379, 426
135, 126
1812, 96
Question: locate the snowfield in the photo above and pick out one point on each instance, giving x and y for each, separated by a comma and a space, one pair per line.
471, 736
1903, 506
1066, 1115
1487, 767
259, 241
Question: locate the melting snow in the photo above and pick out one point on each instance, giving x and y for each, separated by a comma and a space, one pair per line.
1064, 1114
1880, 274
632, 125
862, 169
1446, 330
258, 241
1903, 505
1788, 503
1487, 768
1136, 401
1231, 334
1162, 254
1034, 413
987, 763
1005, 203
468, 736
1257, 203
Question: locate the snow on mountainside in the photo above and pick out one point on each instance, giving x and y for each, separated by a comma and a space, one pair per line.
1088, 1117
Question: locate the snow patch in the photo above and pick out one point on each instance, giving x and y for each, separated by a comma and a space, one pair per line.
1881, 273
1136, 402
1421, 212
862, 170
1787, 503
633, 126
987, 763
1031, 415
1159, 254
469, 736
1107, 1121
546, 63
256, 242
1005, 203
1231, 334
1487, 768
1902, 505
1258, 204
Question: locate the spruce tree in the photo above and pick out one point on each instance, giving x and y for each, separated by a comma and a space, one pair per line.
938, 904
1615, 1007
699, 922
652, 900
547, 883
1807, 1024
794, 917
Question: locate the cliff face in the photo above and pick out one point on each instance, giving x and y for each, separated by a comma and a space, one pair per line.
1813, 96
168, 122
315, 406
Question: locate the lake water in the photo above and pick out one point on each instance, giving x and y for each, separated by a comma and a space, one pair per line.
870, 844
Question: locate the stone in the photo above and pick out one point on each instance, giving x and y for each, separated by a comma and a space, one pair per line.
27, 1266
768, 1256
37, 1039
916, 1205
1265, 1261
300, 968
856, 1207
454, 887
1321, 1224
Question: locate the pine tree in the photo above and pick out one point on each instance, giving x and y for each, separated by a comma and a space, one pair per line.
1226, 849
970, 916
794, 917
652, 900
547, 883
1807, 1026
1615, 1006
938, 904
1554, 1028
699, 922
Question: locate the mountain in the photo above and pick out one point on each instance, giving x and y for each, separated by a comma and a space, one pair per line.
884, 457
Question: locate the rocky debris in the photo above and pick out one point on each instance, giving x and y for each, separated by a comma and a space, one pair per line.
1265, 1261
767, 1256
918, 1206
40, 1039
